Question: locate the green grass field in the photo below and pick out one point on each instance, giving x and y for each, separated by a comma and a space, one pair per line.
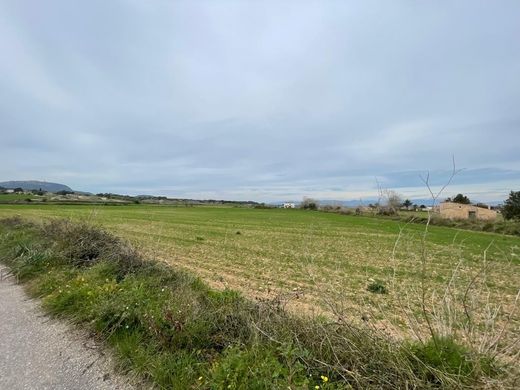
4, 198
168, 328
319, 259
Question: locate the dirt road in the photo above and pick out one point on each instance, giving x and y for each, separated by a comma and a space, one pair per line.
37, 352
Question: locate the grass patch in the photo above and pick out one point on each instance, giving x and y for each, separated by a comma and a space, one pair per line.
446, 355
377, 287
499, 226
171, 329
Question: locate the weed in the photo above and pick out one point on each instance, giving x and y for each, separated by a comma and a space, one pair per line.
377, 287
445, 355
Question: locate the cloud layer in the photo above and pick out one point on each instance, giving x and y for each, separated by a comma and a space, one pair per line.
261, 100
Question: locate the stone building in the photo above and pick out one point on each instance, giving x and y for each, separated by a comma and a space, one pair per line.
451, 210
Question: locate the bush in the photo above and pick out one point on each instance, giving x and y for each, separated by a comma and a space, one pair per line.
254, 368
462, 199
309, 204
444, 355
511, 208
84, 245
377, 287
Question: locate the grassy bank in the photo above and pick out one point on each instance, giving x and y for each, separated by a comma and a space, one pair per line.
500, 226
175, 332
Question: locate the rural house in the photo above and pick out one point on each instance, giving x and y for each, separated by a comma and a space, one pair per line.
451, 210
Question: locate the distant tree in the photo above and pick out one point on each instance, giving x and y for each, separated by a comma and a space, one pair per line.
393, 200
309, 204
64, 192
462, 199
511, 208
18, 190
407, 203
38, 192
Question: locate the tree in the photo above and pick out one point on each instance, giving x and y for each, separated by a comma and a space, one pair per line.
393, 200
309, 204
407, 203
64, 192
38, 192
461, 199
511, 208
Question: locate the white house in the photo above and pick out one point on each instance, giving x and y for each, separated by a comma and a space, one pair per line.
289, 206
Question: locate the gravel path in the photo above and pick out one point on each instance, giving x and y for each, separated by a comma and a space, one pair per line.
37, 352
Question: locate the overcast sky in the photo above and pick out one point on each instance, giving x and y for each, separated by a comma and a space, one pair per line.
261, 100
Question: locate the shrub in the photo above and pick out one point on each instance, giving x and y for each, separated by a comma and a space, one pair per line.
254, 368
444, 355
511, 208
309, 204
460, 198
84, 245
377, 287
387, 211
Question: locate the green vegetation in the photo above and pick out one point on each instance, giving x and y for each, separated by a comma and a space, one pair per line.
500, 226
511, 209
460, 198
8, 198
313, 258
449, 356
170, 328
377, 287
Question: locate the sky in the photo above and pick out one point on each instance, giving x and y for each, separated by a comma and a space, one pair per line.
262, 100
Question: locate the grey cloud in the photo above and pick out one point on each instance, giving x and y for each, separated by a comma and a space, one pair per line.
264, 99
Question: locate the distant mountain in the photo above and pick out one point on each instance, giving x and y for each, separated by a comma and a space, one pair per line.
35, 185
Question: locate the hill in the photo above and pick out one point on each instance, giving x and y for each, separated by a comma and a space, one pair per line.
35, 185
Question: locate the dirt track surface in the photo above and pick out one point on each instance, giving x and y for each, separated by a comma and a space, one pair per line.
37, 352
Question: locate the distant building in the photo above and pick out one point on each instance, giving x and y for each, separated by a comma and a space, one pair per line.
451, 210
289, 206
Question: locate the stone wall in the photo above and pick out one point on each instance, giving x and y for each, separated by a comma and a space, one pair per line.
452, 210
